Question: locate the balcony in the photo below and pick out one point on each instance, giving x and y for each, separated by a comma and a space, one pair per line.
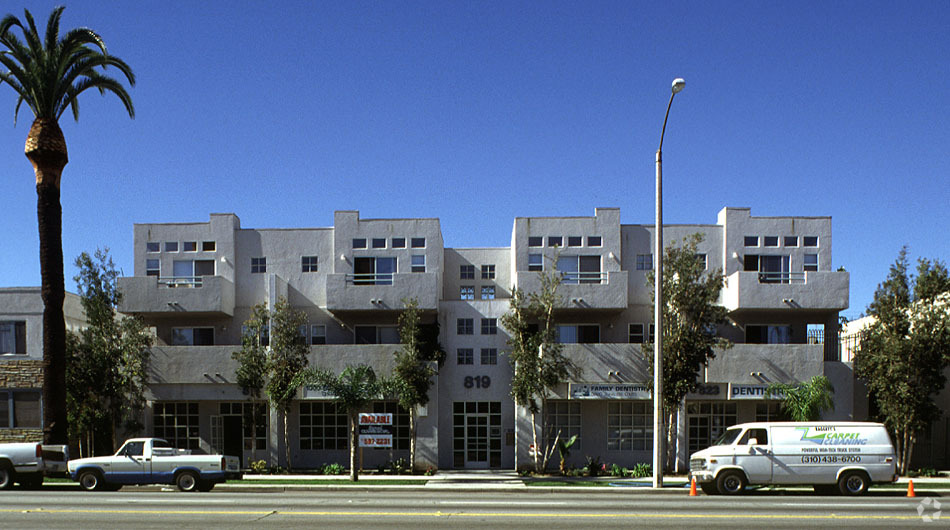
824, 290
154, 296
584, 290
381, 291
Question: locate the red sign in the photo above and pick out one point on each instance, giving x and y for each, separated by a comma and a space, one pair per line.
376, 419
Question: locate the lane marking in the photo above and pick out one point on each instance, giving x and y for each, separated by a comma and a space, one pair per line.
856, 505
507, 503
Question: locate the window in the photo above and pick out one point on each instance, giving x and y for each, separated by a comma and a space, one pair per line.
751, 241
418, 263
578, 334
171, 246
644, 262
376, 334
177, 423
489, 326
629, 426
575, 241
489, 355
188, 273
770, 241
318, 334
379, 242
811, 262
810, 241
701, 258
635, 333
399, 242
563, 416
535, 241
772, 269
760, 436
374, 271
20, 408
706, 421
308, 264
258, 265
192, 336
466, 272
790, 241
594, 241
465, 326
579, 269
190, 246
400, 426
465, 356
259, 423
152, 246
418, 242
359, 242
467, 292
323, 426
488, 272
152, 267
208, 246
555, 241
765, 334
535, 262
771, 411
488, 292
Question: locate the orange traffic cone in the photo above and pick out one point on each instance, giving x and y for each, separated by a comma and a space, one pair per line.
910, 489
692, 488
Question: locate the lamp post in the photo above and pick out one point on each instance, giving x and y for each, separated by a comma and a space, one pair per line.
658, 429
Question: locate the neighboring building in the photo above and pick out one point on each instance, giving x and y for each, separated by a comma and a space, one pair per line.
21, 360
195, 283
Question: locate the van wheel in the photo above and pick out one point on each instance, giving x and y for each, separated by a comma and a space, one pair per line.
709, 488
187, 481
731, 483
6, 476
853, 483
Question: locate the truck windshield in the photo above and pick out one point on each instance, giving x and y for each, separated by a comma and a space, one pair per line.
728, 437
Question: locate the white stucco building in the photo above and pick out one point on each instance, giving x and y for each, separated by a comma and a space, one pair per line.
195, 283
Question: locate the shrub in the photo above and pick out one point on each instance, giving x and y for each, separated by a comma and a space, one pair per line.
259, 467
617, 471
332, 469
594, 466
430, 471
399, 466
642, 470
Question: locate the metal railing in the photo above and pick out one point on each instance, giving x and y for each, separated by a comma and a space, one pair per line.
370, 278
781, 277
573, 278
187, 282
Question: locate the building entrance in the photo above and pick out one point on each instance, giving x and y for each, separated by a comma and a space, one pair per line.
707, 420
476, 438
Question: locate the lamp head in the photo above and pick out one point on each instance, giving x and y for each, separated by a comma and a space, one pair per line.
678, 84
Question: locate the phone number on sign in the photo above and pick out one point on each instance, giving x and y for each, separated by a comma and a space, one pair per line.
830, 459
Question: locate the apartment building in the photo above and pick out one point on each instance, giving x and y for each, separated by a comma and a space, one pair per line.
195, 283
21, 360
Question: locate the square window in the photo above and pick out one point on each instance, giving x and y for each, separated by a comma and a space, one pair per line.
810, 241
171, 246
418, 263
790, 241
190, 246
399, 242
751, 241
318, 334
594, 241
555, 241
359, 242
308, 264
535, 241
418, 242
379, 242
258, 265
644, 262
488, 292
152, 267
770, 241
701, 258
12, 340
488, 272
466, 272
467, 292
574, 241
465, 326
535, 262
208, 246
635, 334
811, 262
489, 326
152, 246
465, 356
489, 356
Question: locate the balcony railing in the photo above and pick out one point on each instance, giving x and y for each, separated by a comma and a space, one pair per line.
174, 282
370, 278
574, 278
781, 277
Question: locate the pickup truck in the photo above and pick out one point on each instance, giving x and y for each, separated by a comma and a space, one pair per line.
28, 463
153, 461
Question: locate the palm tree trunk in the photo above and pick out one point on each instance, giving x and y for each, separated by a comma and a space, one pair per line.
354, 447
412, 439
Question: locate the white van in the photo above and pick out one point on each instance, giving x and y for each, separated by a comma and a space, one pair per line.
843, 456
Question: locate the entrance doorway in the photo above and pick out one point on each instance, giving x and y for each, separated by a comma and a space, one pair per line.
476, 434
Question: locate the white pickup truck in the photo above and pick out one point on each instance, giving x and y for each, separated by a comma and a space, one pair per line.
153, 461
28, 463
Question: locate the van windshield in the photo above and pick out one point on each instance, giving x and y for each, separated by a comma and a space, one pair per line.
728, 437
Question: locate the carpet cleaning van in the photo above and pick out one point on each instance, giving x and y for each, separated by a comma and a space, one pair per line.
831, 456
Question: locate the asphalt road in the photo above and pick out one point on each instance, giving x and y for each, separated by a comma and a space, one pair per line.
415, 509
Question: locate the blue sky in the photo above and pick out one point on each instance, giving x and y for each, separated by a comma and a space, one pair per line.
477, 112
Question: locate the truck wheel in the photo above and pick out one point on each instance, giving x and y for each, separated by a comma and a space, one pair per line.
91, 480
731, 482
187, 481
709, 488
853, 483
6, 476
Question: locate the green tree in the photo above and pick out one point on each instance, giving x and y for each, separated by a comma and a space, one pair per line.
287, 358
412, 374
251, 373
353, 390
690, 318
106, 362
536, 355
805, 401
903, 354
49, 75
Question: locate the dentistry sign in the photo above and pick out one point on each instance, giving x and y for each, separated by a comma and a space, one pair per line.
609, 391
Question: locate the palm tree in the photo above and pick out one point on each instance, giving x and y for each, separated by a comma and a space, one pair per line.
48, 75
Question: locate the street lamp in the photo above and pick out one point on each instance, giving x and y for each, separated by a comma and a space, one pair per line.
658, 430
